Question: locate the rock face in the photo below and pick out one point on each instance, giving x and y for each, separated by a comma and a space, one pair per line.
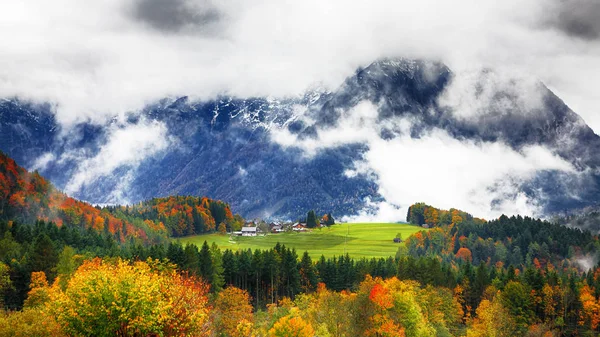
226, 148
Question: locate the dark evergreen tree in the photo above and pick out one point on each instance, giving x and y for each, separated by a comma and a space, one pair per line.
44, 256
311, 219
205, 264
308, 274
330, 220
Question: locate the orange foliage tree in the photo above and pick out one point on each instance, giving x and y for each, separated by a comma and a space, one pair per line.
465, 254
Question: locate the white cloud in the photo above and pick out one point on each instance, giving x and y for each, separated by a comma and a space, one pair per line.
380, 211
446, 172
97, 59
480, 177
42, 162
474, 95
126, 147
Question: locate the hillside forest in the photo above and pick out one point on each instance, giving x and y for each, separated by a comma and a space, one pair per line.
68, 268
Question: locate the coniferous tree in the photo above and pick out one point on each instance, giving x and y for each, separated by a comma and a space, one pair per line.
311, 219
308, 274
206, 269
217, 280
44, 256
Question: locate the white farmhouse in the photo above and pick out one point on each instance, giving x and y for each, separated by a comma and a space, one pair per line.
248, 231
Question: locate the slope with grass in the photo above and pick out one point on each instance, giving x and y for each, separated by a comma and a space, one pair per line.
357, 239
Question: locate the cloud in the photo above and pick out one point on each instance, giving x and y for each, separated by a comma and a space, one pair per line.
477, 95
96, 60
42, 162
481, 177
576, 18
126, 147
177, 15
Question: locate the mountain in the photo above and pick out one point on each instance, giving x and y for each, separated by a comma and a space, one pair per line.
263, 155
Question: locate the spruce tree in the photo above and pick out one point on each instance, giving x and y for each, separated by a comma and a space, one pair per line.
311, 219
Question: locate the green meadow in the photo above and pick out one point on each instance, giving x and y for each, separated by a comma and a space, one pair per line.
357, 239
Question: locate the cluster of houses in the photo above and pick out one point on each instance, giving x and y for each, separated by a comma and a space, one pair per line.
253, 228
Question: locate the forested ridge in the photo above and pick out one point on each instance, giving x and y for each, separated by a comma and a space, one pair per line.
28, 197
63, 275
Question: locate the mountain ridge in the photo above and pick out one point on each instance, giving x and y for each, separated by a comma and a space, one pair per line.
225, 148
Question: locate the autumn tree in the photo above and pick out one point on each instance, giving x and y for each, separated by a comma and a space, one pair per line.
40, 291
465, 254
590, 313
130, 299
29, 322
231, 307
492, 320
291, 326
431, 216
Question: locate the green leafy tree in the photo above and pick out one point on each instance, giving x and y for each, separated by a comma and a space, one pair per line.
67, 264
5, 282
516, 299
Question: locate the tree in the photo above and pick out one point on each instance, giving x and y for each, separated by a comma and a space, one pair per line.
311, 219
222, 228
308, 274
431, 216
28, 322
205, 264
465, 254
231, 307
39, 293
130, 299
67, 265
44, 256
217, 280
329, 220
191, 261
263, 227
492, 320
5, 282
516, 299
290, 326
590, 314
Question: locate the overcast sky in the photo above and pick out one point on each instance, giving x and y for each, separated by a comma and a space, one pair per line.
97, 58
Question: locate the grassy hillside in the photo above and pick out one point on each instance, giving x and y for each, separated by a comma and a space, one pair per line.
357, 239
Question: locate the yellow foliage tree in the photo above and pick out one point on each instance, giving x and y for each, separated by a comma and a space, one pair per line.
232, 306
290, 326
119, 298
492, 320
